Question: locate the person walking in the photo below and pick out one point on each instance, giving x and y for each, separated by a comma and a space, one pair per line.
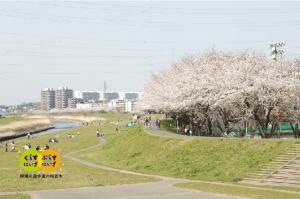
6, 147
117, 128
28, 136
185, 130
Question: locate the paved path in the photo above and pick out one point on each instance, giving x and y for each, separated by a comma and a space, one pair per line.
157, 190
153, 130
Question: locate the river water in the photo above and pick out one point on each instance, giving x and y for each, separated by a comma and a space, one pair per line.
60, 125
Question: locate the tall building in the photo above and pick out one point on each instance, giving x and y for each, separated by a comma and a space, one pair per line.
73, 101
108, 96
87, 96
62, 96
90, 96
131, 96
47, 99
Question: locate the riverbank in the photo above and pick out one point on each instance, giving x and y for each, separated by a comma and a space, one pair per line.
21, 128
78, 118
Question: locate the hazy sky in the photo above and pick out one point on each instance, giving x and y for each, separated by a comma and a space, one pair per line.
81, 44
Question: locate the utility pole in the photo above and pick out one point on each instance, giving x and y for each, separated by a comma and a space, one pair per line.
104, 91
276, 50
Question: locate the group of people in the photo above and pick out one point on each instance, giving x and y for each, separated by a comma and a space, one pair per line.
38, 148
12, 145
27, 146
85, 123
147, 121
71, 135
188, 131
99, 133
53, 140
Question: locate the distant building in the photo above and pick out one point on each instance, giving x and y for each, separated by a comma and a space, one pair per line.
123, 105
95, 100
47, 99
89, 106
62, 96
109, 96
90, 96
84, 106
73, 101
131, 96
77, 94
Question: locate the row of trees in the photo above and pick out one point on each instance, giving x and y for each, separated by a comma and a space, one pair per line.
218, 91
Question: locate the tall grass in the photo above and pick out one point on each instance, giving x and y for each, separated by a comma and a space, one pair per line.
24, 126
68, 117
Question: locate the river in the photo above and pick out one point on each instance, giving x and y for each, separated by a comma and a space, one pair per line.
60, 125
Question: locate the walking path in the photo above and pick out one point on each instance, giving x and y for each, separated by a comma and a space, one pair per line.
153, 130
157, 190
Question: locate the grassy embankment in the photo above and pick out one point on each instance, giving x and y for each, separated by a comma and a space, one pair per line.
254, 192
74, 174
15, 196
208, 159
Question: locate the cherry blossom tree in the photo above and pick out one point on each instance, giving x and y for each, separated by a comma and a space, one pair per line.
214, 91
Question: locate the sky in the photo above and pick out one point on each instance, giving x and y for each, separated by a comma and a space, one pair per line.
81, 44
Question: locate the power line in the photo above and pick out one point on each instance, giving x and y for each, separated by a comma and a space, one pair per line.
163, 10
61, 55
82, 38
143, 24
64, 37
72, 46
50, 73
84, 64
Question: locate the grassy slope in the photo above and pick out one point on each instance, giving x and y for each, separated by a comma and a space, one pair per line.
207, 159
239, 191
75, 174
7, 120
15, 196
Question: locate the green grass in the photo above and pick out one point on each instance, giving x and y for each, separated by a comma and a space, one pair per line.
168, 125
74, 174
203, 159
10, 119
244, 191
15, 196
279, 187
